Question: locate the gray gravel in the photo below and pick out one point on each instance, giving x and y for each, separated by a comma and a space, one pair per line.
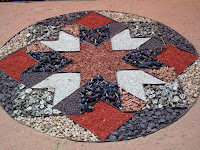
33, 102
143, 29
49, 29
169, 94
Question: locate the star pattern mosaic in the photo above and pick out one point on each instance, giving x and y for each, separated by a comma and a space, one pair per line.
99, 76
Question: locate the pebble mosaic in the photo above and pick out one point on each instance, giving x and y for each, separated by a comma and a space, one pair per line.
98, 76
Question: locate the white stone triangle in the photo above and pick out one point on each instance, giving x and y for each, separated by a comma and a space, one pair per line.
63, 83
66, 42
123, 41
132, 81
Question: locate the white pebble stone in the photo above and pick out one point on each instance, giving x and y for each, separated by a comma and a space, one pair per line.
29, 90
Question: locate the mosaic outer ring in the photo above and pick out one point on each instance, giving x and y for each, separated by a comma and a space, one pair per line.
107, 139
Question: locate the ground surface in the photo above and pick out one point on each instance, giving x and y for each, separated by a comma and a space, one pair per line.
183, 134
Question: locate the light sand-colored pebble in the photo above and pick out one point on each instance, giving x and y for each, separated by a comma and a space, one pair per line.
59, 126
17, 42
122, 17
190, 81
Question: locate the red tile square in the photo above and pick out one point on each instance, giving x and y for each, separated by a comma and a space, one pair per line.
103, 120
176, 58
17, 63
94, 20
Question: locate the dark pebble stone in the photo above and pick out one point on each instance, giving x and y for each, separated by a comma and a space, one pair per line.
115, 133
154, 130
174, 38
168, 118
133, 119
155, 117
169, 110
162, 120
47, 61
99, 89
112, 137
144, 120
121, 137
130, 133
157, 113
129, 125
143, 126
1, 96
122, 128
132, 128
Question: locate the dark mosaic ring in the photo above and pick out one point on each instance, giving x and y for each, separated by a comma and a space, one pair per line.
98, 76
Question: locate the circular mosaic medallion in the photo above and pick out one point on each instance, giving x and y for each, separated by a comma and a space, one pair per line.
98, 76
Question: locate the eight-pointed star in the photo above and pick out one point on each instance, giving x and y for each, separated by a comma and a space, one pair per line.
91, 61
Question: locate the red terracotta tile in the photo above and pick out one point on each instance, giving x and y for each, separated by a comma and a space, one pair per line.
17, 63
94, 20
103, 120
176, 58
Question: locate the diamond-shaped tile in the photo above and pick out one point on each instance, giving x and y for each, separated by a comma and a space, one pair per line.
153, 43
35, 77
17, 63
116, 28
166, 74
94, 20
103, 120
94, 36
130, 103
71, 104
37, 47
72, 29
174, 38
176, 58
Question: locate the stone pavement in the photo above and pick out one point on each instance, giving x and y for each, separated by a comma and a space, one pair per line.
183, 134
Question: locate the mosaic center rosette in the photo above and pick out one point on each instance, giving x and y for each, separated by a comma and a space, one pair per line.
98, 76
